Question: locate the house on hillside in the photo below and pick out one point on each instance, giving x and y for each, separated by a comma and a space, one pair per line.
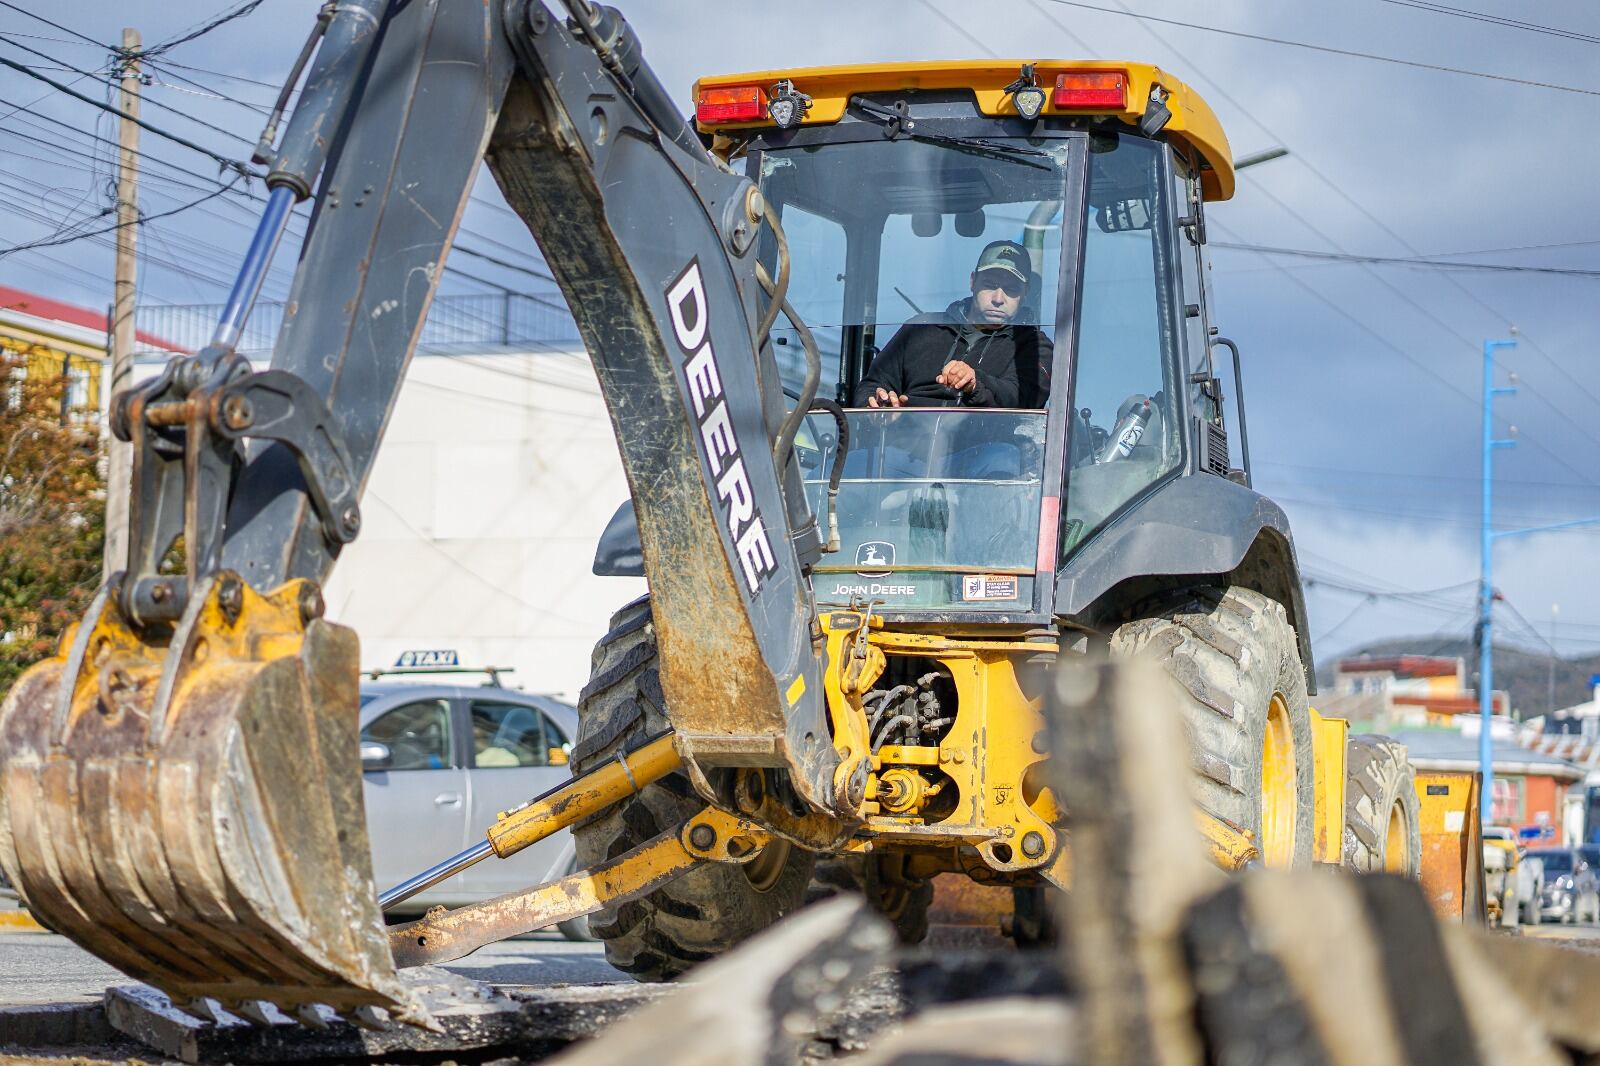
1406, 692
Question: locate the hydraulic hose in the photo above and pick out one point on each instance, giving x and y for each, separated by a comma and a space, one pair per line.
778, 290
837, 472
808, 391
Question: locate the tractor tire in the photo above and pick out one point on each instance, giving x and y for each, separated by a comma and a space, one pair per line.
906, 906
711, 908
1235, 656
1382, 816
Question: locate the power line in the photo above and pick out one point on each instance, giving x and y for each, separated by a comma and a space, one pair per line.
56, 25
1409, 261
1494, 20
221, 160
1351, 53
112, 228
239, 12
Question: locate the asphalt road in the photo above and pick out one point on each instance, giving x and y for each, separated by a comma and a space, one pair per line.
44, 968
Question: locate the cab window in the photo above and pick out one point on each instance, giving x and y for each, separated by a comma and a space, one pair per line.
512, 734
1125, 426
417, 735
906, 224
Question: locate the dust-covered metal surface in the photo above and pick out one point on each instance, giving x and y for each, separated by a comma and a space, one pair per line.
192, 813
665, 311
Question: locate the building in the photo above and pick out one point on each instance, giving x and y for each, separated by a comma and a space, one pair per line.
61, 340
1406, 692
1530, 791
498, 472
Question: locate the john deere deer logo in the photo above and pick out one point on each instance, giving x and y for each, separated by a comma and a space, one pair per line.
874, 558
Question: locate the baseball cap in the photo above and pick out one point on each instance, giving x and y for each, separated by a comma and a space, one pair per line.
1005, 255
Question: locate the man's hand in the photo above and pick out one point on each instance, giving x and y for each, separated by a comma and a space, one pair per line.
885, 398
958, 376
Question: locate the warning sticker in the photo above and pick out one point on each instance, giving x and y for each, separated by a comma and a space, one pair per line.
988, 587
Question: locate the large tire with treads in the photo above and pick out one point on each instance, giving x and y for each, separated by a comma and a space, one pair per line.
1235, 656
709, 909
1382, 815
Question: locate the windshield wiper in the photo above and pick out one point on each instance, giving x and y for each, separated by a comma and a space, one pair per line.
897, 123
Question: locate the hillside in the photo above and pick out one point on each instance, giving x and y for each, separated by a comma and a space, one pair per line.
1524, 674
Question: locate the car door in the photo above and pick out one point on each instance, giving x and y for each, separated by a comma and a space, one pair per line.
516, 754
416, 796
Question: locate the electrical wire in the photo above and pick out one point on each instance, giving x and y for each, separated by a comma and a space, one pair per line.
1408, 261
55, 25
1329, 50
239, 12
109, 229
1495, 20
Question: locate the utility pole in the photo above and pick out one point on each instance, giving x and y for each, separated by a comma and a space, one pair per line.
1555, 609
1486, 583
119, 456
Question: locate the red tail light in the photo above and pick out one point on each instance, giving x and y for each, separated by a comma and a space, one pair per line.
1100, 90
741, 103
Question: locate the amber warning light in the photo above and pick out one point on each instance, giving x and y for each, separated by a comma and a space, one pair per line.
742, 103
1098, 89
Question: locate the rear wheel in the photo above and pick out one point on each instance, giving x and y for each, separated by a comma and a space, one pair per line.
1235, 656
709, 909
1382, 816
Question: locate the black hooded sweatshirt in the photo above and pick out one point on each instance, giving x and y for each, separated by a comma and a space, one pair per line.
1012, 363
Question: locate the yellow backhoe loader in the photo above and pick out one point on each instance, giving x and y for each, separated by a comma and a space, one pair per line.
856, 596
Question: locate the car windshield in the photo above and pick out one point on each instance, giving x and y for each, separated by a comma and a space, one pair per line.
888, 232
937, 507
1559, 862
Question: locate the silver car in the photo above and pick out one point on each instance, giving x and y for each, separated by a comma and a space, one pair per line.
440, 762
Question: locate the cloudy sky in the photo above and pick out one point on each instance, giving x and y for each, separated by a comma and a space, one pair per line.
1363, 377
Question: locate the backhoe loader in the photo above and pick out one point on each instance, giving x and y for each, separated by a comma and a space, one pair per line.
837, 676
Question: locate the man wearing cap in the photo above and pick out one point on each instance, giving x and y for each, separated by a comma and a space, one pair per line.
971, 354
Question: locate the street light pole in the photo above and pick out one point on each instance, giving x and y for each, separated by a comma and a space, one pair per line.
1486, 583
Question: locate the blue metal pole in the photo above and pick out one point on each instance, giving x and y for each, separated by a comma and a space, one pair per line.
1486, 584
254, 270
1486, 597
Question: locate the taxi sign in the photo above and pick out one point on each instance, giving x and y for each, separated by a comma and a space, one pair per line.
415, 659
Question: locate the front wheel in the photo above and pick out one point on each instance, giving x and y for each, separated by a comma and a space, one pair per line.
1235, 656
711, 908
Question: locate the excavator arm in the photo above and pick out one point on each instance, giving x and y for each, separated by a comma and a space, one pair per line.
179, 787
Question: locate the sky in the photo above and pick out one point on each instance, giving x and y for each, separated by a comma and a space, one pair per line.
1364, 379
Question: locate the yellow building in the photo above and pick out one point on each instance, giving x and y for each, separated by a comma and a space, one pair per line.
62, 340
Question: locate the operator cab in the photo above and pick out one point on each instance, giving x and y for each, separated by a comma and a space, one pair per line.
891, 183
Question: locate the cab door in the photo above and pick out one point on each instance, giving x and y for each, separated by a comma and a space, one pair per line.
414, 784
516, 754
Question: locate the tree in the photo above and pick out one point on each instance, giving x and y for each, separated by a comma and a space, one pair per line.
52, 516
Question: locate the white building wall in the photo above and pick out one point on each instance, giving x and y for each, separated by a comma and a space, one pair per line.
497, 475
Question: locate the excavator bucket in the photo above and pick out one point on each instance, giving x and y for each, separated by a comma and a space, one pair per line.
190, 809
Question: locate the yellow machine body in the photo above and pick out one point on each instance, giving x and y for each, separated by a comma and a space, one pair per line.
1193, 122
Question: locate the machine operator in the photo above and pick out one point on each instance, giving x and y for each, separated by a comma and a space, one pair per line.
972, 354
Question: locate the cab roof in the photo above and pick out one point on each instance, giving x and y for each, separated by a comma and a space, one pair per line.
1192, 123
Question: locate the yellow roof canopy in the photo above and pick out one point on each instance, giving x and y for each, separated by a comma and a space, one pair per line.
1193, 122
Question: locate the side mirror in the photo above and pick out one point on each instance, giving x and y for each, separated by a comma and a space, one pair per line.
375, 756
558, 757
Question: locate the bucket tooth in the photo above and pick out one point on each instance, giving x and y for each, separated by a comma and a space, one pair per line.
186, 804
